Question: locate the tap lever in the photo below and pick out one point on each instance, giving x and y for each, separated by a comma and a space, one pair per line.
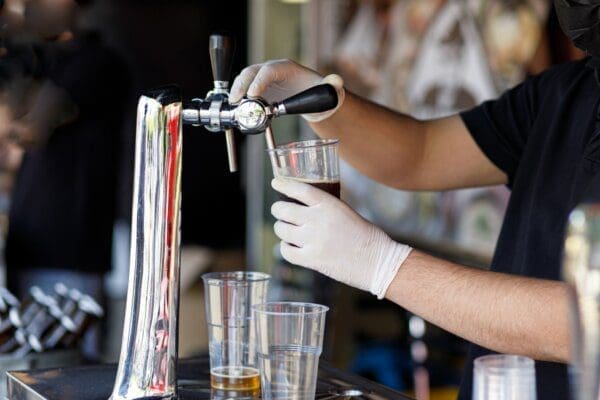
313, 100
221, 48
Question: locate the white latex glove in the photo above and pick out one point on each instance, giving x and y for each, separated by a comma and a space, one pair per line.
329, 237
279, 79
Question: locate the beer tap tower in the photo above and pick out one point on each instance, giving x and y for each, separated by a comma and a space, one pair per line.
149, 345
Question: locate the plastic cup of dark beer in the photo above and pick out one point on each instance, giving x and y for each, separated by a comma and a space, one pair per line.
315, 162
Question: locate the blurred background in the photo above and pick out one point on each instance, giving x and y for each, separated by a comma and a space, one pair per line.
72, 70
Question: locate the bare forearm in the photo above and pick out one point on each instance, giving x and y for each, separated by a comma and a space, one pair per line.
504, 313
405, 153
370, 132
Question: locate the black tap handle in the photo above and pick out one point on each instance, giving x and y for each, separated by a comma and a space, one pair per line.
316, 99
221, 48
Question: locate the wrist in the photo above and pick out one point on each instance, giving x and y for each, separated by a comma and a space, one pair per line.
391, 257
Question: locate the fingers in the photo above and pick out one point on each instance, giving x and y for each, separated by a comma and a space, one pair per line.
289, 233
273, 80
291, 253
289, 212
242, 82
256, 79
303, 192
270, 73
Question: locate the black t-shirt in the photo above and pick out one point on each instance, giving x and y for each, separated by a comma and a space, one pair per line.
63, 202
545, 135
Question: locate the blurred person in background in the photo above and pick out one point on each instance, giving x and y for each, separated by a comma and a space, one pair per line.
64, 94
539, 138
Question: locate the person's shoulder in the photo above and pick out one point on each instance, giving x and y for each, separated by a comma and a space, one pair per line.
565, 75
570, 66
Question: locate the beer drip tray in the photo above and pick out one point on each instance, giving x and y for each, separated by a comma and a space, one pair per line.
96, 382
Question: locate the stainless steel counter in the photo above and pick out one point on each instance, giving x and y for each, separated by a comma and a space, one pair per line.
96, 382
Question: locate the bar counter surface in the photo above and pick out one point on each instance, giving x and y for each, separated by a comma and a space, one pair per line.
96, 382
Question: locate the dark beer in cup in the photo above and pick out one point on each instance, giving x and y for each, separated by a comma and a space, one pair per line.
315, 162
330, 186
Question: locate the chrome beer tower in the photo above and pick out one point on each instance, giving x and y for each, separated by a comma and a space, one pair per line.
581, 270
149, 345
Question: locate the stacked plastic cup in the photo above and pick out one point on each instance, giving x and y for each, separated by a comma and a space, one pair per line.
232, 345
290, 341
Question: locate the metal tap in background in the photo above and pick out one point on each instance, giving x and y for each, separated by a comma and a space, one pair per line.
149, 344
581, 271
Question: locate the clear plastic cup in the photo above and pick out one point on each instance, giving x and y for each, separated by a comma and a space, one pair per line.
229, 297
290, 341
315, 162
504, 377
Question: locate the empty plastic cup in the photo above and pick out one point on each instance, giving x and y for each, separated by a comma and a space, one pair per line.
290, 341
504, 377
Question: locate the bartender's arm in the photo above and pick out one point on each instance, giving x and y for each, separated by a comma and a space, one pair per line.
505, 313
410, 154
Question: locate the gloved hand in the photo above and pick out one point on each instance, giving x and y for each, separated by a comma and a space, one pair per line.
329, 237
279, 79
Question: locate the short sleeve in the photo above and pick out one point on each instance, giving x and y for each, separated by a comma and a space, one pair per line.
501, 127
